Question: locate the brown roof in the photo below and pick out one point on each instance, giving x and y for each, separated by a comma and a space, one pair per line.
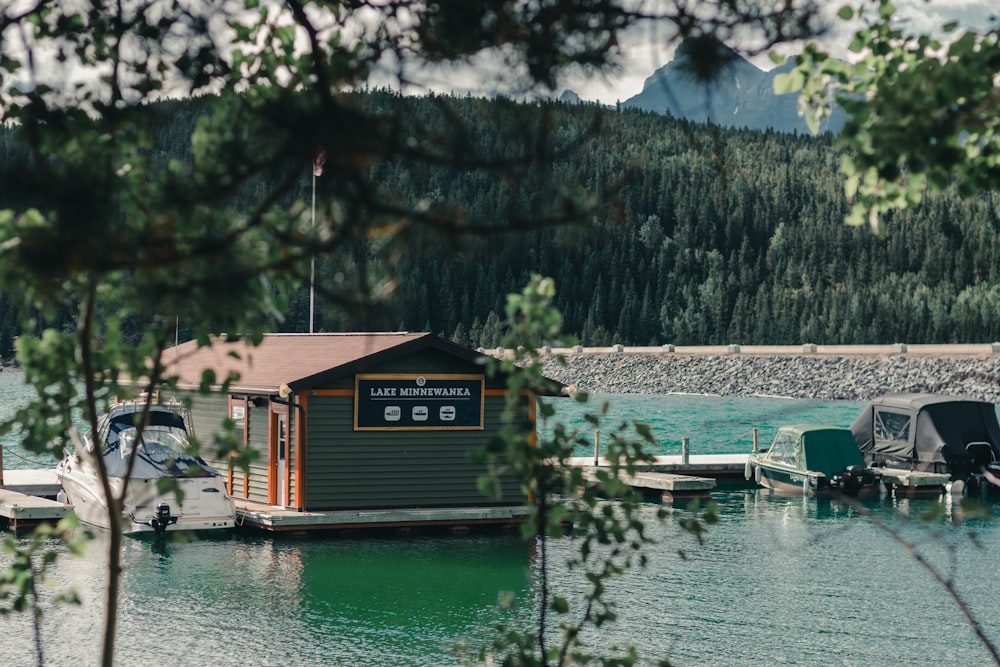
291, 358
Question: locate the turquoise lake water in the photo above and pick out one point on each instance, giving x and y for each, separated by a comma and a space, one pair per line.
779, 580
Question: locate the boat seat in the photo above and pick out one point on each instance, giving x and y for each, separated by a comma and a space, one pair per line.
980, 454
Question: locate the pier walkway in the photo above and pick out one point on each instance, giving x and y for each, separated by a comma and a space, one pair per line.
278, 519
26, 498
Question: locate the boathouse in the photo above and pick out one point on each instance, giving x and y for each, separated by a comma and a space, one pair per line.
351, 427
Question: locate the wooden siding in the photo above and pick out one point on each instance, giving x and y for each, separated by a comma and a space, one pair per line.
255, 487
208, 412
349, 469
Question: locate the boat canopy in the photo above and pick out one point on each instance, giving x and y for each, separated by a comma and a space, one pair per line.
163, 452
931, 432
826, 449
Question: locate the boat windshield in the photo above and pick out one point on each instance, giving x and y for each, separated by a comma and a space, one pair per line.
159, 443
163, 437
784, 449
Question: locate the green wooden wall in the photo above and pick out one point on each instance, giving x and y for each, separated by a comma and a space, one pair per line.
356, 469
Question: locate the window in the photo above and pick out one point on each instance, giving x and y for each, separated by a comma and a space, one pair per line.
784, 448
891, 426
160, 443
238, 413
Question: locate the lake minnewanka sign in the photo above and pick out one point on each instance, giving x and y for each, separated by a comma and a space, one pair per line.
418, 402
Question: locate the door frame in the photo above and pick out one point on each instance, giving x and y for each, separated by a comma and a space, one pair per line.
277, 477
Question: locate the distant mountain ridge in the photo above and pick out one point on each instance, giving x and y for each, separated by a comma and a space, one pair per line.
740, 96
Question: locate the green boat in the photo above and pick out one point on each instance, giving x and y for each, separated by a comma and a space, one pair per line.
813, 460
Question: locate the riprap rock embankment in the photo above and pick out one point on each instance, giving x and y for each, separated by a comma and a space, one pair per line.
804, 376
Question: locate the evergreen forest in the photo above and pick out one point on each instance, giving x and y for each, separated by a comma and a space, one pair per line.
679, 233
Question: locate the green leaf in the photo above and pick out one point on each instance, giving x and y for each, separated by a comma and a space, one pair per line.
506, 600
786, 83
489, 486
856, 216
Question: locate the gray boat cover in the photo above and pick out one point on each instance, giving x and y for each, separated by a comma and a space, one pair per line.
930, 432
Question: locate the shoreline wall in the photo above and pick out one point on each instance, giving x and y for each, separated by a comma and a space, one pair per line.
801, 375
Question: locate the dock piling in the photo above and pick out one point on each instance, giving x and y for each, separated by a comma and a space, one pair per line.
756, 444
597, 446
685, 451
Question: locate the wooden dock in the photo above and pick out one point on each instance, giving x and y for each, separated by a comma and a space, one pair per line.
727, 470
913, 482
252, 514
41, 483
668, 486
26, 498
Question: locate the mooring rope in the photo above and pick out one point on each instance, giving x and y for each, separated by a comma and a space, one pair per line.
8, 450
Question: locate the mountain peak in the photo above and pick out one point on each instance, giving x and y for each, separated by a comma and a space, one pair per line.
709, 82
705, 58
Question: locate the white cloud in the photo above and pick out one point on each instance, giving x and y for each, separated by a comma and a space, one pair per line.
646, 51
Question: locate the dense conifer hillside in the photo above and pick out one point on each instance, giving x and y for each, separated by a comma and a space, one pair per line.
712, 236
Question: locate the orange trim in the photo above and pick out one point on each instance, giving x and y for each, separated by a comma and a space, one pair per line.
287, 482
328, 392
272, 457
229, 471
302, 441
246, 443
273, 481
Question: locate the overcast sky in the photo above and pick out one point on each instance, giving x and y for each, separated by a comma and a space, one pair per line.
645, 56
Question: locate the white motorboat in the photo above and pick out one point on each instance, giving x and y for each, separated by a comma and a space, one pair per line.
162, 451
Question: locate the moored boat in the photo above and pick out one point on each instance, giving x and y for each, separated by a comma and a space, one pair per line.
813, 460
934, 433
157, 438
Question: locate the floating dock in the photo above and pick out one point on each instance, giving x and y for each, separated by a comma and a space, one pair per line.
913, 482
667, 485
26, 498
277, 519
41, 483
726, 470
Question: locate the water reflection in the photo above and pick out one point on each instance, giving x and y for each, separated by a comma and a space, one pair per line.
826, 579
821, 581
269, 600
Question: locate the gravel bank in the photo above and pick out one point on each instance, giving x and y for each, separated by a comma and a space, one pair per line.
805, 376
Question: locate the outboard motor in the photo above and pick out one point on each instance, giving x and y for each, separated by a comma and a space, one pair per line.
854, 478
851, 479
161, 518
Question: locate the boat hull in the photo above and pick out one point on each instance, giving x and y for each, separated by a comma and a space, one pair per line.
786, 481
789, 481
205, 504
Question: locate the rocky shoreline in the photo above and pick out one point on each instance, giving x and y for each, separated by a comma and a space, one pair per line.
793, 376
